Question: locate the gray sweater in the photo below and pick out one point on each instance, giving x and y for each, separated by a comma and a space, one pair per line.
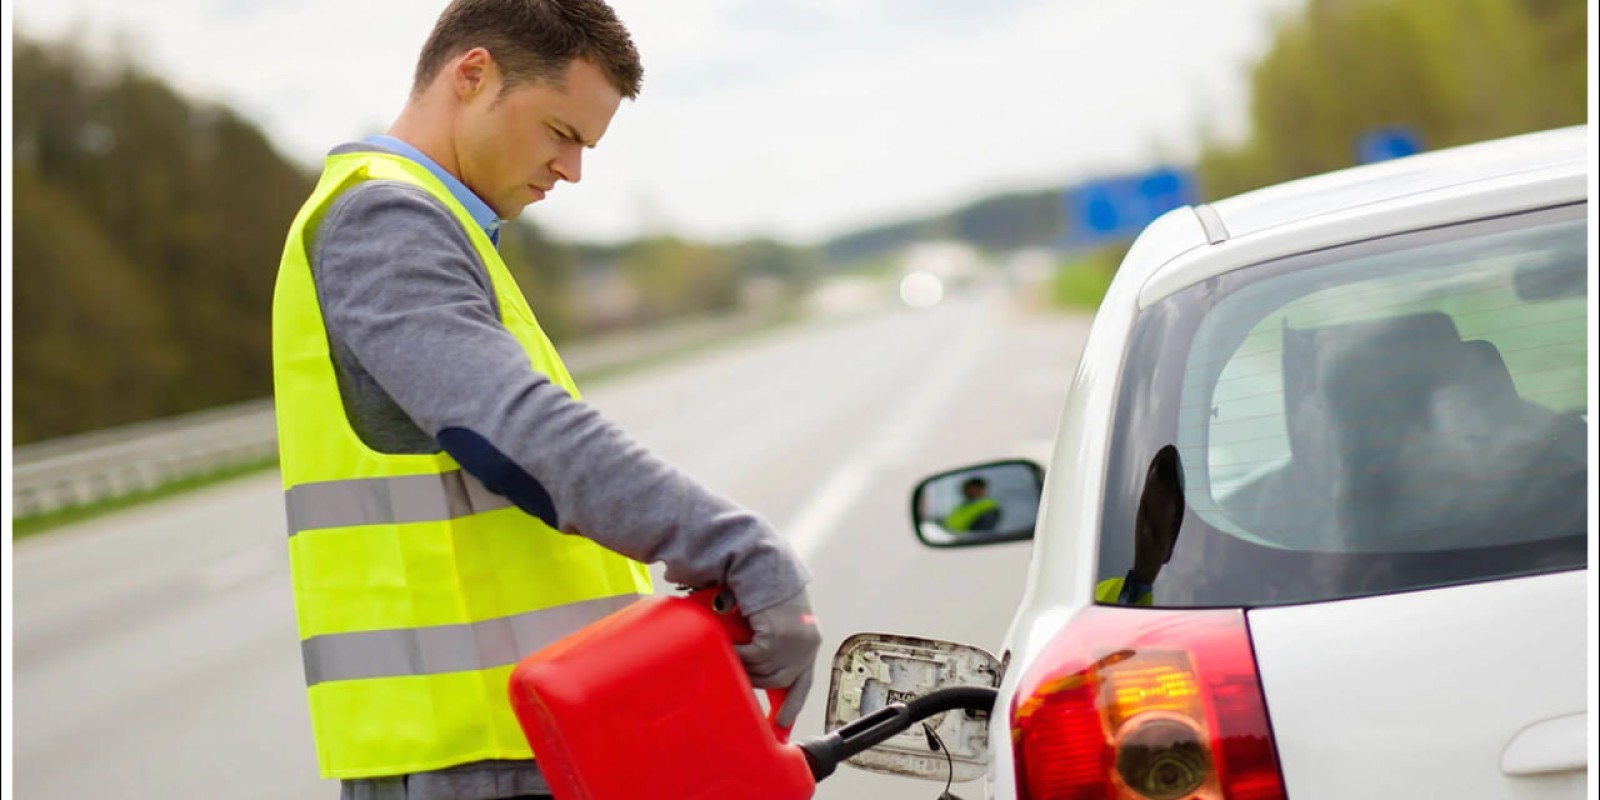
424, 364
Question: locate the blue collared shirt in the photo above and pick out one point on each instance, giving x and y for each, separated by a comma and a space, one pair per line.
480, 211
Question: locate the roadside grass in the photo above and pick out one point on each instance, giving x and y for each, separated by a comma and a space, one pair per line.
876, 267
1080, 282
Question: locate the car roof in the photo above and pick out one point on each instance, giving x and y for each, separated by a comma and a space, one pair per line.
1301, 200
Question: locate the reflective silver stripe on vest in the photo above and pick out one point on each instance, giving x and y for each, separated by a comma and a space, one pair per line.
375, 501
447, 648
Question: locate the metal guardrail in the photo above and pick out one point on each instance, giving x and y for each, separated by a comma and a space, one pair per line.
107, 464
77, 470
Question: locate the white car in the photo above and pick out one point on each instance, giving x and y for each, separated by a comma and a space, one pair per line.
1368, 389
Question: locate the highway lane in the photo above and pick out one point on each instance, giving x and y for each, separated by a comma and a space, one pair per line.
155, 652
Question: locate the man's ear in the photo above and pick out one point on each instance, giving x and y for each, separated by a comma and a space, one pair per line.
473, 73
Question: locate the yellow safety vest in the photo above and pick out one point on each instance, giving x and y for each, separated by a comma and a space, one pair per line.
962, 519
1109, 590
417, 590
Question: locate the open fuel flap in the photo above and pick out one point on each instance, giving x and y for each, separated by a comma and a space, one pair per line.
872, 671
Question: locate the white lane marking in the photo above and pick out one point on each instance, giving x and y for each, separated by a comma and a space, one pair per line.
238, 568
819, 516
826, 505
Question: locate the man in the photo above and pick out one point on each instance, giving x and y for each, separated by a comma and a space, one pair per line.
977, 512
1155, 532
453, 505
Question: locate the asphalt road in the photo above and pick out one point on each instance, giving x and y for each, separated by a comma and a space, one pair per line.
155, 654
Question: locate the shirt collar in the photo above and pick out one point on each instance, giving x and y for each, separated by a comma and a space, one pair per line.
480, 211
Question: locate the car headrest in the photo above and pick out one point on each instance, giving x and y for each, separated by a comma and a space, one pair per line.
1489, 377
1366, 381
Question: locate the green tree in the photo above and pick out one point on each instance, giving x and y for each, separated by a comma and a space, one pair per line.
676, 277
797, 267
1459, 72
92, 337
181, 208
546, 272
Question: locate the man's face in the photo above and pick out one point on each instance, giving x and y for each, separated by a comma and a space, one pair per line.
512, 147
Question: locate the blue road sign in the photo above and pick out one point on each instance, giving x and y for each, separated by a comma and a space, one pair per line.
1382, 144
1118, 208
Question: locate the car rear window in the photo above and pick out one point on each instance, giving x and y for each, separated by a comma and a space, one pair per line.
1396, 414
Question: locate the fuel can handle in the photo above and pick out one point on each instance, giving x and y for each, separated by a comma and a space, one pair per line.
720, 602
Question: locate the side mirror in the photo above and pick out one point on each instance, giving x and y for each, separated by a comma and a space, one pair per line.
873, 670
981, 504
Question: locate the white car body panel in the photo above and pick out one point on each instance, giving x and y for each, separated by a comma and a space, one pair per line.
1308, 198
1423, 694
1189, 245
1524, 191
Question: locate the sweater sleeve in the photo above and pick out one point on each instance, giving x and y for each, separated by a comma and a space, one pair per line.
405, 292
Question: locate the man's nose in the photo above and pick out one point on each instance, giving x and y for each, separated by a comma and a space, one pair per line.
569, 163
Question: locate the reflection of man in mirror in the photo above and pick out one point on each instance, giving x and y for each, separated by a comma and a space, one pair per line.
977, 512
1155, 532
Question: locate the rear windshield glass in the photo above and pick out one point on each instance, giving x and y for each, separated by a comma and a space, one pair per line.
1397, 414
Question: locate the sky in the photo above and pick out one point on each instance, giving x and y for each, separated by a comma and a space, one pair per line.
792, 119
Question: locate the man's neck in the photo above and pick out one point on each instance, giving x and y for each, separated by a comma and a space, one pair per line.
424, 131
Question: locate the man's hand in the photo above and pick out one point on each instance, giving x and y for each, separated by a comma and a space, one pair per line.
783, 653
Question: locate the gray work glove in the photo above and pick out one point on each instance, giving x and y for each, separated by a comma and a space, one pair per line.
784, 652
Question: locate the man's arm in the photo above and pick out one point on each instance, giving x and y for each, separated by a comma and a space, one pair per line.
403, 290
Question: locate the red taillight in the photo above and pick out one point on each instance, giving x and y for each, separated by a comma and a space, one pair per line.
1138, 704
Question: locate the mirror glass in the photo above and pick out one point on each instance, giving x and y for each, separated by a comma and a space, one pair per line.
980, 504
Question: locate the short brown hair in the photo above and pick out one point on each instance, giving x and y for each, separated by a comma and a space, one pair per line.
533, 40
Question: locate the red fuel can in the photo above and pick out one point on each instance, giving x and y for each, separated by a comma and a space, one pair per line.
652, 702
